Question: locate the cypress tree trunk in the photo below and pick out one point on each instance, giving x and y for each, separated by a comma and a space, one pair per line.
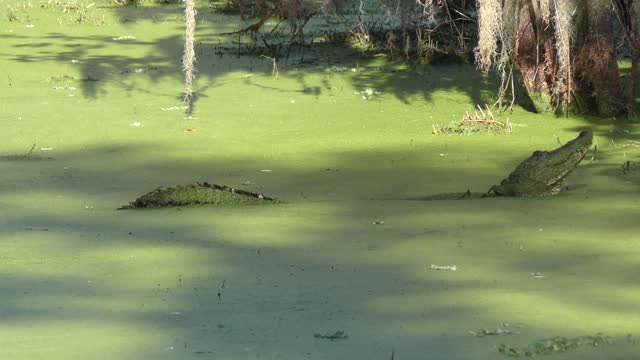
589, 82
628, 12
596, 63
633, 86
535, 57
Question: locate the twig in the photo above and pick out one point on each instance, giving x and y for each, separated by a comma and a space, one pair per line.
513, 88
483, 115
274, 71
31, 151
255, 27
490, 113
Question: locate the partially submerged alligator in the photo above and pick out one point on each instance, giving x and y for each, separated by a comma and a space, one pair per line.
544, 172
197, 194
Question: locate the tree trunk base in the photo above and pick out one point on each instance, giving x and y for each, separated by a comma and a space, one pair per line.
542, 102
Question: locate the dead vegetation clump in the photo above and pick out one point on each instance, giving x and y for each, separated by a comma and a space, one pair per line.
19, 12
426, 31
80, 11
476, 123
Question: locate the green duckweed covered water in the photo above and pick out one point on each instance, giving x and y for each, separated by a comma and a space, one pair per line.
345, 253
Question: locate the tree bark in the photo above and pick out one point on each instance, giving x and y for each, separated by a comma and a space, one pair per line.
535, 57
593, 84
596, 64
628, 14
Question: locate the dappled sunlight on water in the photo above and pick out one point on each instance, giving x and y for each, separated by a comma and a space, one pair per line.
351, 248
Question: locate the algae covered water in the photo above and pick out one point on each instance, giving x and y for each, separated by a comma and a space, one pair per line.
346, 143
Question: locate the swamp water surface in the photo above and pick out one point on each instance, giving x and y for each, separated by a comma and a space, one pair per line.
345, 253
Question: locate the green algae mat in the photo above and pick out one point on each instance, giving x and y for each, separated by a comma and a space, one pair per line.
345, 143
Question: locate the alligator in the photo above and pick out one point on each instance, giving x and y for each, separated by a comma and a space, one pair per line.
198, 194
544, 172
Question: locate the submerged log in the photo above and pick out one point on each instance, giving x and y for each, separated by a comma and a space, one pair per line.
544, 172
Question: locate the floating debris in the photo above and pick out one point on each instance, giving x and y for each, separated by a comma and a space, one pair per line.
367, 94
555, 344
338, 335
124, 37
174, 108
443, 267
537, 275
502, 329
475, 124
336, 69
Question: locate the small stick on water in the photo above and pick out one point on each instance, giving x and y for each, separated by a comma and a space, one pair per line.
274, 71
31, 151
224, 282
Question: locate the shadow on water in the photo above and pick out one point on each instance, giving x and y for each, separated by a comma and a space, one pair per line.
264, 281
160, 57
116, 59
345, 252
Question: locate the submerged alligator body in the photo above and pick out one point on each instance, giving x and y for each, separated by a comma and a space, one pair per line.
198, 194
